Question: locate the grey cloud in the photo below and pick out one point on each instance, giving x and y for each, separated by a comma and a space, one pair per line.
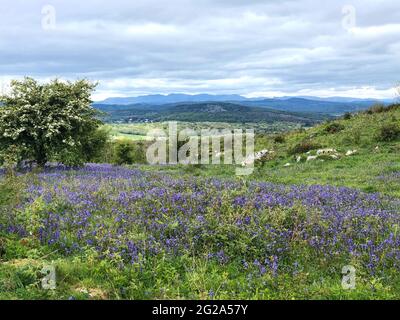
246, 47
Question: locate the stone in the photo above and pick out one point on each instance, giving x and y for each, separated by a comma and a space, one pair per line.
257, 156
311, 158
351, 152
330, 151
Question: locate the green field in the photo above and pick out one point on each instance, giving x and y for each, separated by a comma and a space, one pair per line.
138, 131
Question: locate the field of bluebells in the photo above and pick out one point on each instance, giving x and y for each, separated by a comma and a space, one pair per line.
256, 234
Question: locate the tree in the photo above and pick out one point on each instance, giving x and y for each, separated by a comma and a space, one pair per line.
48, 121
124, 152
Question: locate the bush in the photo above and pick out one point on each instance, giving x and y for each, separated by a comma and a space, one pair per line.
303, 147
106, 154
123, 152
129, 152
380, 108
389, 132
279, 139
334, 128
139, 152
393, 107
347, 116
376, 108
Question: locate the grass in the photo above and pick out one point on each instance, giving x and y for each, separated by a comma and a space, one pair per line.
359, 171
138, 131
85, 275
363, 170
135, 132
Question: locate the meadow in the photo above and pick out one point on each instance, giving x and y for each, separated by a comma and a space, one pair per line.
139, 131
199, 232
123, 233
373, 168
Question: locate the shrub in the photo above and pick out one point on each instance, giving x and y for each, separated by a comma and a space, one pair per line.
347, 116
279, 139
303, 147
129, 152
393, 107
334, 128
381, 108
107, 154
376, 108
388, 132
124, 152
139, 152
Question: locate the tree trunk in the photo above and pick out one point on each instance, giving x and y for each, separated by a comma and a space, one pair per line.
41, 162
41, 158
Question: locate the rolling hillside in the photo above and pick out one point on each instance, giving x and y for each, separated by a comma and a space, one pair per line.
331, 106
372, 136
200, 112
313, 106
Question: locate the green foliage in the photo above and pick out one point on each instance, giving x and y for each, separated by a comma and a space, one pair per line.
389, 132
353, 137
10, 189
139, 152
96, 144
7, 193
129, 152
334, 127
48, 121
347, 116
303, 147
376, 108
10, 157
124, 152
279, 139
380, 108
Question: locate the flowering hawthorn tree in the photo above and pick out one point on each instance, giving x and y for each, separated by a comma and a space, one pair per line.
51, 121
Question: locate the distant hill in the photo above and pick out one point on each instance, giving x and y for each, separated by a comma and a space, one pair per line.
208, 111
313, 106
180, 97
331, 106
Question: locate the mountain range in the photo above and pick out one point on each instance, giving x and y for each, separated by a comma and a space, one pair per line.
229, 108
159, 99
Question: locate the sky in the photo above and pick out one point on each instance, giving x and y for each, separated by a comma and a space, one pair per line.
250, 47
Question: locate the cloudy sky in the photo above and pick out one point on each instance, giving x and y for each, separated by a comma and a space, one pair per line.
248, 47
